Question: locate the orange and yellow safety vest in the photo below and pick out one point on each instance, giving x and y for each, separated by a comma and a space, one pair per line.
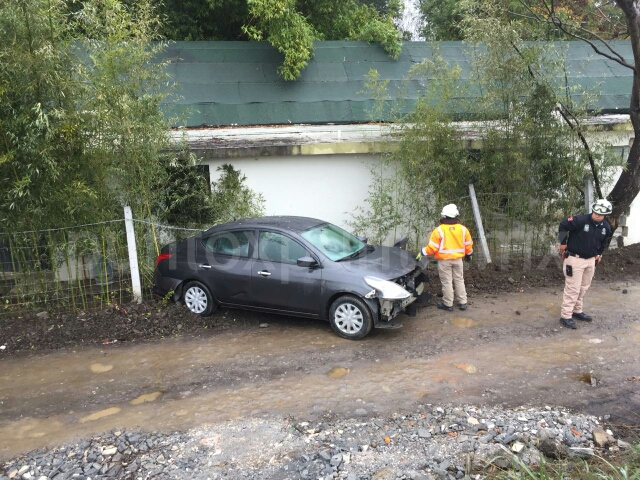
449, 242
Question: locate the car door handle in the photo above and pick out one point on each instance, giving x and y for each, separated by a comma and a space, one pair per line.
264, 273
206, 267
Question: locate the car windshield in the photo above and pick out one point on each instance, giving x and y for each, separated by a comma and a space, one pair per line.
333, 241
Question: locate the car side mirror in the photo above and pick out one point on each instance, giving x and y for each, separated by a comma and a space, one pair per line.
362, 239
309, 262
401, 243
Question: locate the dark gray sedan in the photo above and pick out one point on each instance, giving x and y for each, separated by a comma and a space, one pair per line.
294, 266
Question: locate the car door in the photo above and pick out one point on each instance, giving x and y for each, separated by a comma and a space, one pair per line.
224, 264
278, 283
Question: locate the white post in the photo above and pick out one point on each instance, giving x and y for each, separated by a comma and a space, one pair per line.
133, 255
476, 215
588, 194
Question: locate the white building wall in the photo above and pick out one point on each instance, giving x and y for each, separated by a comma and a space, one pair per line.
328, 187
331, 186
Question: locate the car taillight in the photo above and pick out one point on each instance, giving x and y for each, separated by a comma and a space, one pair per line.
163, 256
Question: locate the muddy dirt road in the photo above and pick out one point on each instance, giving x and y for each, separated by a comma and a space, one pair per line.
505, 349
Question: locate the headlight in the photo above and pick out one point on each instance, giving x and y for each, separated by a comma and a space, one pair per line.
387, 290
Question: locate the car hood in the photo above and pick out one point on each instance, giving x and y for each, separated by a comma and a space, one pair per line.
386, 263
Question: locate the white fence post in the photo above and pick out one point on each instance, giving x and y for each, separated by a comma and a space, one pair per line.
588, 194
476, 214
133, 255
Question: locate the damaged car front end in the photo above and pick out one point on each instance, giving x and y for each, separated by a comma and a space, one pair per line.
396, 296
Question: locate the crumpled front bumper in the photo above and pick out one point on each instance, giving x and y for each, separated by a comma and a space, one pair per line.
414, 283
389, 309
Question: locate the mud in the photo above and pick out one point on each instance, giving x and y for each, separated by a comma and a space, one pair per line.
155, 320
506, 349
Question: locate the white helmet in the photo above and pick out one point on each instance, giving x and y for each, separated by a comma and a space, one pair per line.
450, 211
602, 207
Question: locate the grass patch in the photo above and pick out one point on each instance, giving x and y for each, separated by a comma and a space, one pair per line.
620, 465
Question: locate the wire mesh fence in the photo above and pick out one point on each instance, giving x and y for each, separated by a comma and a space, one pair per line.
78, 268
87, 267
516, 224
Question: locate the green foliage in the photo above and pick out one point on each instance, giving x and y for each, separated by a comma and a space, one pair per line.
620, 466
232, 198
292, 25
125, 86
440, 19
38, 115
532, 19
354, 20
185, 196
278, 22
381, 218
188, 199
527, 164
81, 131
289, 25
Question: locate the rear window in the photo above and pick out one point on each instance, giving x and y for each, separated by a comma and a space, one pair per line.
235, 244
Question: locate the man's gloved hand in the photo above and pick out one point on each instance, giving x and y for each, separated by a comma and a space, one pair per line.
467, 258
419, 256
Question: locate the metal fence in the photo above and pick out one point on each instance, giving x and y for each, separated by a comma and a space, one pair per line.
88, 267
80, 268
515, 225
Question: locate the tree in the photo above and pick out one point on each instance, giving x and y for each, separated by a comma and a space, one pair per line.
81, 130
442, 19
289, 25
530, 167
595, 24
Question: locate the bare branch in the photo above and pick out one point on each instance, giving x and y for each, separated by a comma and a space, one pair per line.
614, 56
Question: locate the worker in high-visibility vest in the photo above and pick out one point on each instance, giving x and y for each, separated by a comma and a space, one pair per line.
449, 244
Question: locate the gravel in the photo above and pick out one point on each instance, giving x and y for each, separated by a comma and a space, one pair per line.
435, 442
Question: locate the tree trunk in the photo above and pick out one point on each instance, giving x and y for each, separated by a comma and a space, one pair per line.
628, 185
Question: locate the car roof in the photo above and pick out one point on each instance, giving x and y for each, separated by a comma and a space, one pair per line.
291, 223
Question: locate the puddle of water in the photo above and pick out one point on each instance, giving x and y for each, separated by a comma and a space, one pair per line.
147, 397
100, 414
337, 372
467, 367
100, 368
30, 428
462, 322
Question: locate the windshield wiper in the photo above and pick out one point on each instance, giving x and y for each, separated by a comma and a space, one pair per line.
352, 255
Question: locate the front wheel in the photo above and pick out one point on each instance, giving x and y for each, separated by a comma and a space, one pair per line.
350, 317
198, 299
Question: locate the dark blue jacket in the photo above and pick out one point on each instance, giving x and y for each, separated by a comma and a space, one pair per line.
583, 236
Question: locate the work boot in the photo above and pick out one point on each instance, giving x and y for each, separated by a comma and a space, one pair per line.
462, 306
442, 306
582, 316
567, 322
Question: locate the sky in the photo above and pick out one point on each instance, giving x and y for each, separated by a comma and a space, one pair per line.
410, 18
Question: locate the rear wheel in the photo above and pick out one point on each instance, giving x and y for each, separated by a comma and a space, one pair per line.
350, 317
198, 299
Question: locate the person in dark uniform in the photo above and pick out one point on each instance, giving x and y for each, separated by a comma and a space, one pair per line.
582, 240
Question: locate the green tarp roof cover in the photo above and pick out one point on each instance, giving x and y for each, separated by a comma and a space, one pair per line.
237, 83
